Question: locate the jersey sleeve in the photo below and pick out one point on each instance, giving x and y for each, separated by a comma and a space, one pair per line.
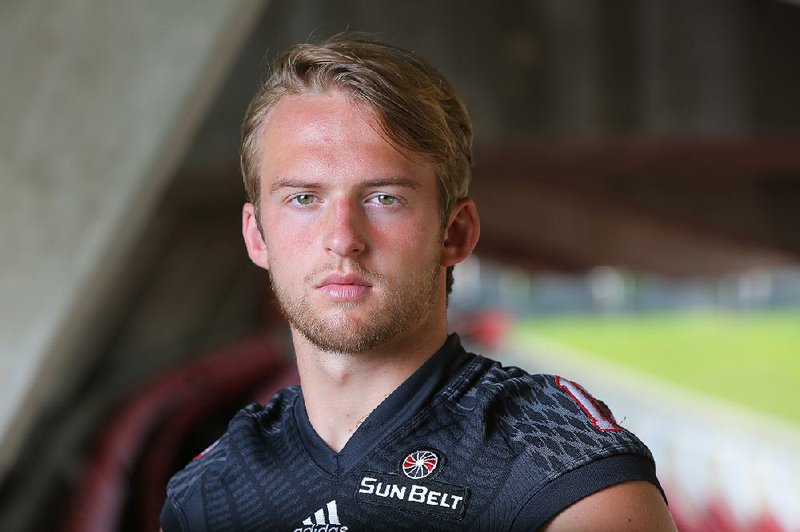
170, 520
573, 443
579, 483
184, 507
202, 496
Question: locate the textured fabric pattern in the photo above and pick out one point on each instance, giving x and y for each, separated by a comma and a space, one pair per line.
503, 437
550, 425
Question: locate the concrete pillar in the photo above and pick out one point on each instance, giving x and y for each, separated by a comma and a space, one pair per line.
97, 101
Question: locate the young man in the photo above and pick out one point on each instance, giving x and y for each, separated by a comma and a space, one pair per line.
356, 158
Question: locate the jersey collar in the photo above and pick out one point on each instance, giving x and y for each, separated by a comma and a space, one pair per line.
425, 383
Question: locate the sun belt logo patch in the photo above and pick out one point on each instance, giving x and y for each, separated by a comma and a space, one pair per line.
415, 490
420, 464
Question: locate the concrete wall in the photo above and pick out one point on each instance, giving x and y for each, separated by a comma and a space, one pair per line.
99, 99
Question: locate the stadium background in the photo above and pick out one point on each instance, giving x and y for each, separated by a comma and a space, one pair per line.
638, 175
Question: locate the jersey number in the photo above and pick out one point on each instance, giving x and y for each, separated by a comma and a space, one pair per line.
601, 420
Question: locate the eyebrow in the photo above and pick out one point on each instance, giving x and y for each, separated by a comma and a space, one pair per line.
396, 181
292, 183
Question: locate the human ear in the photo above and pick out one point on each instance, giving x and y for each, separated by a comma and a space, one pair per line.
253, 239
462, 232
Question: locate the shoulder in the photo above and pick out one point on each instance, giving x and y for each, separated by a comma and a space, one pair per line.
249, 424
569, 441
249, 429
635, 505
550, 412
528, 403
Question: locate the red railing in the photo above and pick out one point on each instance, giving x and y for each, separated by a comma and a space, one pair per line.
136, 453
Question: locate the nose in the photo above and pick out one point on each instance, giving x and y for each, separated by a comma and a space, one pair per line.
344, 231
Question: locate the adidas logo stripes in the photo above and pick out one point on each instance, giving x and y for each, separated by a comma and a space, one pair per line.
320, 522
319, 516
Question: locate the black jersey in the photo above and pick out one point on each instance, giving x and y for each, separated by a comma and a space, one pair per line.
463, 444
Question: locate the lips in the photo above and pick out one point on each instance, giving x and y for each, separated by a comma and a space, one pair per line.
344, 287
344, 279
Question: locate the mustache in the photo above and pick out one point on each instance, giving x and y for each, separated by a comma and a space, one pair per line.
350, 268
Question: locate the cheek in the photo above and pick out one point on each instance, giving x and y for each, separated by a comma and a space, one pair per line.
414, 242
287, 247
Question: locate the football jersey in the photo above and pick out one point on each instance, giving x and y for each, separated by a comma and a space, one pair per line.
463, 444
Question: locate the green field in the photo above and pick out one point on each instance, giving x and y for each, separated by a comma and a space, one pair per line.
748, 358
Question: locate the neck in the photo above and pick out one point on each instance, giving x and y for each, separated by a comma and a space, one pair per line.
341, 389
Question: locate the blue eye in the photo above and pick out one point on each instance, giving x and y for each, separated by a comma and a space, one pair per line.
303, 199
386, 199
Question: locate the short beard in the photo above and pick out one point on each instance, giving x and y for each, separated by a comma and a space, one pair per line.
401, 310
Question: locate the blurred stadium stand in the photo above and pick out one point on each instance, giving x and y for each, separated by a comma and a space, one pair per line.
723, 467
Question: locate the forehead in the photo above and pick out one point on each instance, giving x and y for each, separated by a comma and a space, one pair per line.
330, 130
313, 116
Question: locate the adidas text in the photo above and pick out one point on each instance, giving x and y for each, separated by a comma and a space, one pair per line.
322, 528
